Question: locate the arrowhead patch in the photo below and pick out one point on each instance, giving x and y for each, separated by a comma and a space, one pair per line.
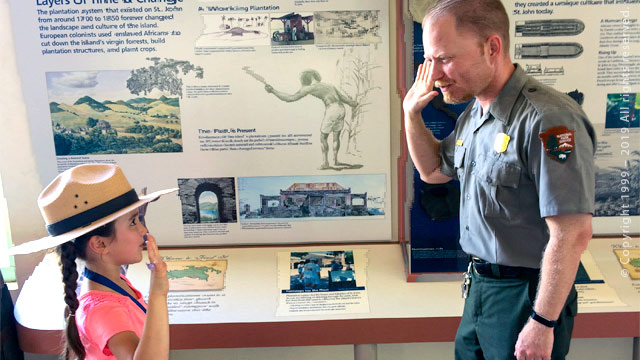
558, 142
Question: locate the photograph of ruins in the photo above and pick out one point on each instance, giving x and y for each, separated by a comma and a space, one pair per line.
311, 197
208, 200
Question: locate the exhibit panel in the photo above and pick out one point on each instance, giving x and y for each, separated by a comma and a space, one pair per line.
271, 119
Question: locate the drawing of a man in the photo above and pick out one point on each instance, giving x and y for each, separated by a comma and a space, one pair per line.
334, 111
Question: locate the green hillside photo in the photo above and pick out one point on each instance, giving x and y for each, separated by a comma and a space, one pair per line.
119, 111
140, 125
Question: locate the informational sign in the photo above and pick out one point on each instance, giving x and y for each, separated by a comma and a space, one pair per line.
592, 290
198, 284
322, 282
272, 118
618, 264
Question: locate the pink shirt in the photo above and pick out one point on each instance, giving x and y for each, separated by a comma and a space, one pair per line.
103, 314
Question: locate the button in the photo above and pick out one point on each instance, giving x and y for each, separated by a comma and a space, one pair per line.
468, 196
473, 163
532, 90
466, 227
489, 180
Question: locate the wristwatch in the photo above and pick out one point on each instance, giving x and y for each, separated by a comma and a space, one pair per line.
542, 320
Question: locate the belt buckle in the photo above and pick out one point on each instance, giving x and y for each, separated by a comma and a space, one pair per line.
479, 263
475, 270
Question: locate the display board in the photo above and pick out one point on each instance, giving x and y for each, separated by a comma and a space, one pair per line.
272, 118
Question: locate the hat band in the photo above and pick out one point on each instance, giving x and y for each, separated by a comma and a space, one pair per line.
87, 217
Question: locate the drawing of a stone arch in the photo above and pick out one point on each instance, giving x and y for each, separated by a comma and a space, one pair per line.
190, 191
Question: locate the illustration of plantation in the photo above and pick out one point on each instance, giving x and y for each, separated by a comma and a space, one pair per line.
140, 125
145, 123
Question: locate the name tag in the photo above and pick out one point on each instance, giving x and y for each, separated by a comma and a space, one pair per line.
501, 142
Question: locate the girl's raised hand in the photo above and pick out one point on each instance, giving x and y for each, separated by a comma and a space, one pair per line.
159, 282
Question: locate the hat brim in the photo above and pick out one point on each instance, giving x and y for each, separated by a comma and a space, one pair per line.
53, 241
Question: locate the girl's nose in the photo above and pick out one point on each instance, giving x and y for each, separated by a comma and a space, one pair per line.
143, 229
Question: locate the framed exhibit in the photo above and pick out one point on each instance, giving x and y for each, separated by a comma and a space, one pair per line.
272, 120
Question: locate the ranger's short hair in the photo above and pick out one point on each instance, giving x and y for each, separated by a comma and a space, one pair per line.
483, 17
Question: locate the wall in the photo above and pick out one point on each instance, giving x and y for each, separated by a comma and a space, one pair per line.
17, 165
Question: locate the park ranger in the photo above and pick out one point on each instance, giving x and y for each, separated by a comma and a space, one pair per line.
523, 154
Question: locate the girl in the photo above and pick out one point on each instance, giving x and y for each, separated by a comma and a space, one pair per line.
92, 213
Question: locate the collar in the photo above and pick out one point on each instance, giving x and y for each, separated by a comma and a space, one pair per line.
478, 115
501, 107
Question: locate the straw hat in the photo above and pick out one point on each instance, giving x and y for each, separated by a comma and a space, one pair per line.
82, 199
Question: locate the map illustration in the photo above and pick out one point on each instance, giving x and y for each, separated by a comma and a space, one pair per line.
191, 275
629, 260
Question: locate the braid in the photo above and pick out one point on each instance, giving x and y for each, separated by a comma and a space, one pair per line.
67, 254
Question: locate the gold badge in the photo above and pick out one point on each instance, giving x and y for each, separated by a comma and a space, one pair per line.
501, 143
459, 142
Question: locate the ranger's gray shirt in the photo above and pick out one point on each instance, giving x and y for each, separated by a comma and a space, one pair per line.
509, 185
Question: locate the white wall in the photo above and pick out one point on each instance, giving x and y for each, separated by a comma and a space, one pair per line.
20, 179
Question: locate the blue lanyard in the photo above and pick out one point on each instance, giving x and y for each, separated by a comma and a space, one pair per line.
94, 276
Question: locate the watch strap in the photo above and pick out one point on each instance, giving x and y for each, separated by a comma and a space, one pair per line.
542, 320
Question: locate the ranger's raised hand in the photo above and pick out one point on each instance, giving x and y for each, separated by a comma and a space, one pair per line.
421, 93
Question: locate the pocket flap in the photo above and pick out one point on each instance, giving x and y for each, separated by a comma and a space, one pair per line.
505, 175
458, 156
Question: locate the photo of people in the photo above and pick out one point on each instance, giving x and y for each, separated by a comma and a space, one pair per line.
292, 29
322, 271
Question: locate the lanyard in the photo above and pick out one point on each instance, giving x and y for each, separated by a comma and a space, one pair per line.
94, 276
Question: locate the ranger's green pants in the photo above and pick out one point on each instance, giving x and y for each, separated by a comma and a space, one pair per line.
494, 313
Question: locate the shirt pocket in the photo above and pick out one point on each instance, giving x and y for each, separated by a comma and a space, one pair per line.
498, 188
458, 160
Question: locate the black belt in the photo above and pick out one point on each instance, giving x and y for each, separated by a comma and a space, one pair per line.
484, 268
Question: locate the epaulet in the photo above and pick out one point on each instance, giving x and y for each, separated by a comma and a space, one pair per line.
539, 95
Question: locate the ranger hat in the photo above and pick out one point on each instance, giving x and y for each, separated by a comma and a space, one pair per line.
82, 199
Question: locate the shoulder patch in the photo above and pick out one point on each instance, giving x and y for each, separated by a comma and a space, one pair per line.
558, 142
